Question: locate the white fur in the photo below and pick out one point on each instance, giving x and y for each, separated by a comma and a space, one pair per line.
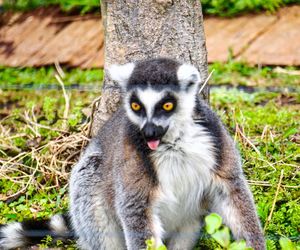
136, 119
102, 229
158, 230
149, 98
225, 207
187, 73
121, 73
183, 161
12, 236
230, 216
58, 225
184, 171
186, 236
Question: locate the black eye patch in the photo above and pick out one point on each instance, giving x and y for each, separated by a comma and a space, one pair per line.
135, 99
160, 111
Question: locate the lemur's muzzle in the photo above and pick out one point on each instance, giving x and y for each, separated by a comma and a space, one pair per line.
153, 134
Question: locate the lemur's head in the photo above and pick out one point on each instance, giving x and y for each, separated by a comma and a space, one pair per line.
158, 95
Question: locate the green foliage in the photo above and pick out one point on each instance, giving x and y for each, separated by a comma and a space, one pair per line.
38, 204
48, 242
27, 77
241, 74
76, 115
266, 110
234, 7
272, 125
287, 244
49, 108
238, 245
271, 244
150, 245
221, 234
46, 193
215, 7
83, 6
213, 223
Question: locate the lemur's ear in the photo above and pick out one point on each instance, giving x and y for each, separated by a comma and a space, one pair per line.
121, 73
188, 76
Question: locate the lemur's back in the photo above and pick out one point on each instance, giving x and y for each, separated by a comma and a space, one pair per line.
107, 152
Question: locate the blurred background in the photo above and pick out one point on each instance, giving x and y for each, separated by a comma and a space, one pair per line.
51, 60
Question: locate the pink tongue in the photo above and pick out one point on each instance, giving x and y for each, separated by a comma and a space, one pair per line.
153, 144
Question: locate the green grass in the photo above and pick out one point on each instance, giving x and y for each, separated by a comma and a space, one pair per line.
33, 146
81, 6
231, 73
268, 137
229, 8
45, 77
214, 7
241, 74
273, 130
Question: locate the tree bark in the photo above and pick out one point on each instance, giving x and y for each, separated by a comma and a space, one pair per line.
142, 29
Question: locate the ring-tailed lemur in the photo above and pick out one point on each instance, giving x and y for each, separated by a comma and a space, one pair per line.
157, 167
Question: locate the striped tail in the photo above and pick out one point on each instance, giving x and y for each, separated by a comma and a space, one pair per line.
31, 232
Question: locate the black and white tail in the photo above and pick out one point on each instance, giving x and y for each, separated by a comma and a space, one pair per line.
31, 232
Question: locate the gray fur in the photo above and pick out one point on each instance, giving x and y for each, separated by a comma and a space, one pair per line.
122, 192
117, 189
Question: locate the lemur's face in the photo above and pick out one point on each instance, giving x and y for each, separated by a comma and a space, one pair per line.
158, 94
152, 111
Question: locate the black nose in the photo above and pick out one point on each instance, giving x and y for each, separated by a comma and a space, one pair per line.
153, 132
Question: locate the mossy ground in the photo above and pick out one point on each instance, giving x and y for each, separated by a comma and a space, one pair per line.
264, 120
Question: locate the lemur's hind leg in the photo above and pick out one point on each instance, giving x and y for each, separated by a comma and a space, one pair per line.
235, 204
100, 230
186, 237
95, 224
93, 220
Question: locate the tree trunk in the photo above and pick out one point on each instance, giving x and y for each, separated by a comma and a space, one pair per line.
144, 29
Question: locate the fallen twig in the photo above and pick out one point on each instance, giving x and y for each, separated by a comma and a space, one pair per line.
274, 201
67, 102
206, 81
246, 139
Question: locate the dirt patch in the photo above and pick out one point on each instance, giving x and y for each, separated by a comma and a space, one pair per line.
225, 36
45, 36
280, 44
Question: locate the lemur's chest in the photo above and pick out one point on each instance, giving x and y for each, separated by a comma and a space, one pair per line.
184, 172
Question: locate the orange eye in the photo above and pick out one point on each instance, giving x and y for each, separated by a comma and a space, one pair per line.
135, 106
168, 106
